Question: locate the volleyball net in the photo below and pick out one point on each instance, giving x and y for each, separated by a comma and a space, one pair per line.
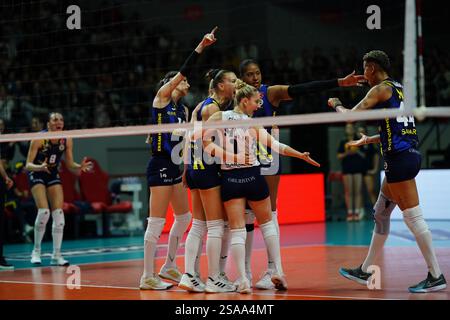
281, 121
103, 76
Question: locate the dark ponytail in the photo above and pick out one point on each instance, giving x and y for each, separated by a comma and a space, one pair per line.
166, 79
211, 74
216, 76
244, 64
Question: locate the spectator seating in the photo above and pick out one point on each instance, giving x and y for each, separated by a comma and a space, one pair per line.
94, 189
95, 199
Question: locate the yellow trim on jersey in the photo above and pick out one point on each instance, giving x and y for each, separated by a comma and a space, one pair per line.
159, 141
11, 203
262, 153
216, 102
198, 162
390, 84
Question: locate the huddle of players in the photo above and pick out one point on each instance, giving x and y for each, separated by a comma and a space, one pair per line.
220, 194
222, 168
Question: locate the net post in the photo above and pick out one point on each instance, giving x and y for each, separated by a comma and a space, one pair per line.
410, 57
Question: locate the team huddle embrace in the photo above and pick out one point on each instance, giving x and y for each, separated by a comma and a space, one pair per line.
223, 170
231, 166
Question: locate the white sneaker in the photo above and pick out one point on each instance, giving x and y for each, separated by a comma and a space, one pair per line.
279, 281
244, 286
361, 214
223, 276
191, 283
249, 278
265, 283
249, 275
219, 284
35, 257
154, 283
58, 260
170, 274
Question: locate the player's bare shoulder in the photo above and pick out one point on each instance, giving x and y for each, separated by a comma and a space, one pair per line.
382, 91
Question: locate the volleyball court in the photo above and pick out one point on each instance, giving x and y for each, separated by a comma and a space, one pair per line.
106, 208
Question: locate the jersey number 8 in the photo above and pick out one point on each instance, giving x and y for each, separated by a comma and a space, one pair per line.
52, 159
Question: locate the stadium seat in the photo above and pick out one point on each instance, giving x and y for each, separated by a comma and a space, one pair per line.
73, 206
21, 181
94, 189
68, 180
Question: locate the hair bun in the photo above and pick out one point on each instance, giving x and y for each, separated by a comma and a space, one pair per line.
240, 84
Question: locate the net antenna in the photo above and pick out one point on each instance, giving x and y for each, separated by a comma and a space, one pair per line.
420, 52
413, 69
410, 56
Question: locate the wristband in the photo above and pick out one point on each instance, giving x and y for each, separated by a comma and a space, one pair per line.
300, 89
186, 68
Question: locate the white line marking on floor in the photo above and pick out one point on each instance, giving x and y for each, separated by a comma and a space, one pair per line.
175, 290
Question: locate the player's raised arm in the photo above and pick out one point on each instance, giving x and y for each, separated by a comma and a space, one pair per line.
165, 92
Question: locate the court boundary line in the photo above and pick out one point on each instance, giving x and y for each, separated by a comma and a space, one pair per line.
183, 291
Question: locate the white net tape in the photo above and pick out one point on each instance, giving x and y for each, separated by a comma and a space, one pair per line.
302, 119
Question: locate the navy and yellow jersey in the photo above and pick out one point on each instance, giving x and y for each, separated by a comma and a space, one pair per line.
266, 110
206, 102
162, 143
396, 134
196, 147
52, 153
229, 106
